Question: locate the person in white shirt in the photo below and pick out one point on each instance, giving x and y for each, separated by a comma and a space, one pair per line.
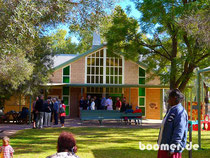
92, 105
109, 103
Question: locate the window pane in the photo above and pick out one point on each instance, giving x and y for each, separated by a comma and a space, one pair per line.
88, 61
112, 71
112, 62
66, 100
141, 80
120, 80
88, 70
93, 61
141, 101
66, 71
120, 71
111, 79
67, 110
141, 72
97, 61
92, 79
88, 79
101, 79
93, 70
101, 70
97, 79
116, 62
116, 80
65, 90
101, 62
107, 70
107, 62
116, 71
97, 54
141, 91
66, 80
107, 79
143, 110
120, 90
101, 53
120, 62
97, 70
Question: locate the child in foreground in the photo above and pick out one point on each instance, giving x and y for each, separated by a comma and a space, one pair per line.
6, 151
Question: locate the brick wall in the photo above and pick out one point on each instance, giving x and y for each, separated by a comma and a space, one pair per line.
154, 81
131, 73
78, 71
57, 76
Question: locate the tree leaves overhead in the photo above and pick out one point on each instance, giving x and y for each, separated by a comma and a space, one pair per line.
171, 51
22, 37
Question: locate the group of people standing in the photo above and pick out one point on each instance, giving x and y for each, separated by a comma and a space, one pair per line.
43, 112
103, 103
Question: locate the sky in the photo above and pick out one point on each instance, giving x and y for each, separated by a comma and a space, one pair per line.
123, 3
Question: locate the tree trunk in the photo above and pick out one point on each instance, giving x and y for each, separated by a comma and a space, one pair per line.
173, 62
185, 80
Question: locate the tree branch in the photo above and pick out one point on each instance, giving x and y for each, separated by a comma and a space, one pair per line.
201, 58
163, 47
187, 43
155, 51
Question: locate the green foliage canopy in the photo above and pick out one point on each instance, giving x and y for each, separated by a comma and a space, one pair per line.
171, 52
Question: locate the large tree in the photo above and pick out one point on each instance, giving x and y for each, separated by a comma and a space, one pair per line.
62, 44
169, 50
24, 49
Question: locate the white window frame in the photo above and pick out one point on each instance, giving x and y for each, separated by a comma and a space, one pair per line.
104, 68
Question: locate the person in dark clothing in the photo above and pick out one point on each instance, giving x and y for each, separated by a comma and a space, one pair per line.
128, 119
82, 103
97, 103
55, 110
34, 113
39, 107
88, 102
123, 107
47, 113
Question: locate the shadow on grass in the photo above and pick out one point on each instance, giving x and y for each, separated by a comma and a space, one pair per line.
102, 142
122, 153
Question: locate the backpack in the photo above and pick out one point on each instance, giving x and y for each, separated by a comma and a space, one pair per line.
62, 110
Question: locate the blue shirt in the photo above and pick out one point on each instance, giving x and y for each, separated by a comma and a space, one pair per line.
174, 128
56, 106
103, 101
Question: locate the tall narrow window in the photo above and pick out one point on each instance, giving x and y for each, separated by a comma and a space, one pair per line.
66, 98
114, 70
66, 74
95, 67
142, 92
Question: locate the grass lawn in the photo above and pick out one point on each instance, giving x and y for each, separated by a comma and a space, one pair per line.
96, 142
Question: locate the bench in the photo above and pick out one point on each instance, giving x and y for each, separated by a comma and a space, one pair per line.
101, 115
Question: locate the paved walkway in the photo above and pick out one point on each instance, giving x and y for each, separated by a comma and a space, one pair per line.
10, 129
